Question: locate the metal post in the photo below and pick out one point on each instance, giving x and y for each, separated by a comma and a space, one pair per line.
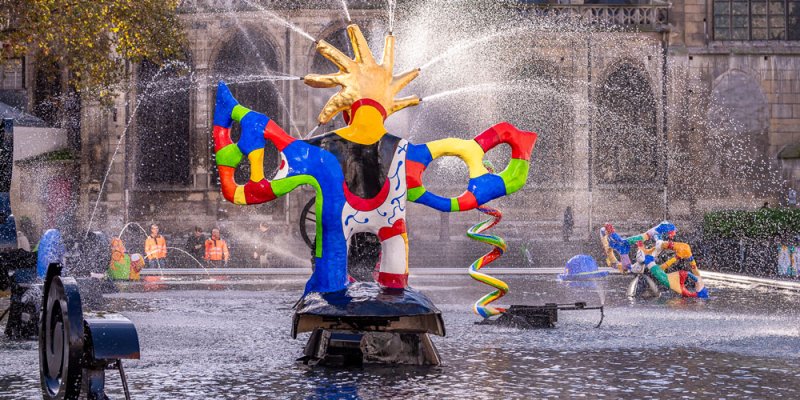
124, 380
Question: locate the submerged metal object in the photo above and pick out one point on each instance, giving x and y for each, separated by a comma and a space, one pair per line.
643, 286
18, 273
369, 324
75, 349
534, 317
354, 348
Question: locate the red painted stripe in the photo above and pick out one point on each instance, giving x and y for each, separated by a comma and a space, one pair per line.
366, 204
227, 182
367, 102
467, 201
488, 139
222, 137
398, 228
414, 172
258, 192
521, 142
395, 281
683, 276
275, 134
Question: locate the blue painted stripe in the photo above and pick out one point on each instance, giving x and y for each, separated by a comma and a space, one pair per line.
419, 153
253, 125
224, 106
487, 187
434, 201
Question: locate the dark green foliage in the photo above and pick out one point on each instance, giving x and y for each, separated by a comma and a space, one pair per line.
766, 223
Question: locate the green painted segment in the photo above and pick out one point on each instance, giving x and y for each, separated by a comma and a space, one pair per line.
515, 175
635, 239
318, 221
659, 274
239, 112
453, 204
415, 193
285, 185
229, 156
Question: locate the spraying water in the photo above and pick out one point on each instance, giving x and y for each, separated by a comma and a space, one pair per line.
346, 11
193, 258
391, 6
129, 224
311, 133
119, 142
282, 21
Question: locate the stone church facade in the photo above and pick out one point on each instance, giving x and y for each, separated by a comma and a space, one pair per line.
725, 66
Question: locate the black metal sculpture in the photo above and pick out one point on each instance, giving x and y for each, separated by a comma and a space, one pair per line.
532, 317
75, 349
18, 273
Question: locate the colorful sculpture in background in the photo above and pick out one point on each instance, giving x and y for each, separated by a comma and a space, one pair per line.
49, 250
581, 267
788, 260
123, 266
686, 281
362, 175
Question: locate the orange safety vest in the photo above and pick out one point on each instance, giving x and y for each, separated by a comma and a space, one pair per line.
155, 249
216, 250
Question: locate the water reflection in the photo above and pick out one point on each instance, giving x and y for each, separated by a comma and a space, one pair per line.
204, 340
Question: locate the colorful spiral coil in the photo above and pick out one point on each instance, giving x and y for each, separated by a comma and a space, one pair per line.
482, 306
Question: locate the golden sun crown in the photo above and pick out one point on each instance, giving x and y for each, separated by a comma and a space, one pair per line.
361, 77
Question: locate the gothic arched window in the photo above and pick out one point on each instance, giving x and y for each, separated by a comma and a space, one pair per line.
162, 125
625, 145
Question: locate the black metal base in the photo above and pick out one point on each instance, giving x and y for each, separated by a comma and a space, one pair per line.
352, 348
367, 324
537, 317
366, 307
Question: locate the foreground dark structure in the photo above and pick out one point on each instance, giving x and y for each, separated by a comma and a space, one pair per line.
76, 348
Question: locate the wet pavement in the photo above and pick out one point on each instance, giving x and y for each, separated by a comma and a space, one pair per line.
229, 338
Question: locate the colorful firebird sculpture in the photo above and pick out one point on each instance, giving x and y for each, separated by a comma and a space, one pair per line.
362, 174
662, 236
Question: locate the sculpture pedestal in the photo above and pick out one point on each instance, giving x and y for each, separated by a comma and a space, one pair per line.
369, 324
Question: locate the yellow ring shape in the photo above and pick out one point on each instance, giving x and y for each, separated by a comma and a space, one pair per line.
468, 151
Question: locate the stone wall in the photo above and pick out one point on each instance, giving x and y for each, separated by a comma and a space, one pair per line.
757, 81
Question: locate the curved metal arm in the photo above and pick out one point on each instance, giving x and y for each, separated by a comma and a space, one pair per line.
483, 186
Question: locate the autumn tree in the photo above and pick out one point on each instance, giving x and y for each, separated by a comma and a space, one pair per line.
91, 39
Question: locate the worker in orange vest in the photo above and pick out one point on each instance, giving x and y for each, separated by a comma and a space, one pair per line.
216, 250
155, 248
